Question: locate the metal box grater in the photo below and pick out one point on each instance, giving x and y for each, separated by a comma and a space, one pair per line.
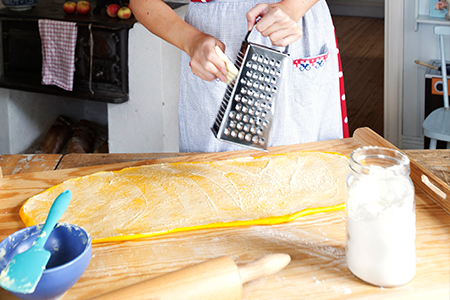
245, 115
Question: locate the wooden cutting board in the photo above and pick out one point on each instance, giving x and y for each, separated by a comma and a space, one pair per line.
316, 243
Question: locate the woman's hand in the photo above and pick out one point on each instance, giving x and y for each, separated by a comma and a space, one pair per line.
278, 22
205, 63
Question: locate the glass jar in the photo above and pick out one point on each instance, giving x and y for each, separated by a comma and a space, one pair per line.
381, 220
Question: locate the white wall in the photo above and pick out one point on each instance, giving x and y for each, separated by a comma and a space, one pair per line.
421, 45
148, 122
4, 124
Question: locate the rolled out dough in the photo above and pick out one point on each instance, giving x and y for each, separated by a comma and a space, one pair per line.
161, 198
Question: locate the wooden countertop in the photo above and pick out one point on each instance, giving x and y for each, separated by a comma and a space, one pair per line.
316, 243
436, 161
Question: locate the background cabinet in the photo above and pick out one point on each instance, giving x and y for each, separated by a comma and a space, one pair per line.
101, 71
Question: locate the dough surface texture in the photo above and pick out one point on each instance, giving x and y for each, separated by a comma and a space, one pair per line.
156, 199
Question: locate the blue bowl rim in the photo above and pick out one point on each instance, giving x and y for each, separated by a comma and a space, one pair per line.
73, 261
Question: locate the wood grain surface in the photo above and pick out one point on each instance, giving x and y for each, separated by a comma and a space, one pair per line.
437, 161
27, 163
74, 160
316, 243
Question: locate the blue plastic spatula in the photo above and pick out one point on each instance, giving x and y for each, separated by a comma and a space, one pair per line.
24, 271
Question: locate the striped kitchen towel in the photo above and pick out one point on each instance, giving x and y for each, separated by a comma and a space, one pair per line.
58, 52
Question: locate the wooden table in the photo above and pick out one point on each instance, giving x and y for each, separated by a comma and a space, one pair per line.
436, 161
316, 243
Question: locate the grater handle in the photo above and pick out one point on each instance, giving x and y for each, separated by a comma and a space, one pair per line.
250, 31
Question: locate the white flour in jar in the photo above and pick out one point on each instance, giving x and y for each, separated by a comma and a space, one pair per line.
381, 228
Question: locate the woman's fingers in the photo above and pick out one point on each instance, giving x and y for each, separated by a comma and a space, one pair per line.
206, 64
258, 11
274, 23
283, 36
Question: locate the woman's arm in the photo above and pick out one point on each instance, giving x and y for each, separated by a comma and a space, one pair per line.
279, 20
162, 21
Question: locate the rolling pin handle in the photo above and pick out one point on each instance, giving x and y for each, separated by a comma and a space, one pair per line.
264, 266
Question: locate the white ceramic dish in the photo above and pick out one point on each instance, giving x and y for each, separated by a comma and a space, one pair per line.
19, 5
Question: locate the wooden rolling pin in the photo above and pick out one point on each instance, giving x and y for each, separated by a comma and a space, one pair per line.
217, 279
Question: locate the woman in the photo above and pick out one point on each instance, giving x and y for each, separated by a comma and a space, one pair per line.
308, 107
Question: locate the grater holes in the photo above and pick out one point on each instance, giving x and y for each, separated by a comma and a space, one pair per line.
252, 97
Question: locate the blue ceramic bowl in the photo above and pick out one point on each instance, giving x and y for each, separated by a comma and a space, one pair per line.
70, 248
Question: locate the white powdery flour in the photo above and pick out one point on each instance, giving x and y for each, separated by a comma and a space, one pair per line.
381, 229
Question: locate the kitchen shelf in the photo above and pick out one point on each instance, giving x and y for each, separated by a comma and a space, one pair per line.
426, 19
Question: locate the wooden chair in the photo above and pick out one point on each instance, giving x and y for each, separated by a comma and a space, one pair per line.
437, 124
